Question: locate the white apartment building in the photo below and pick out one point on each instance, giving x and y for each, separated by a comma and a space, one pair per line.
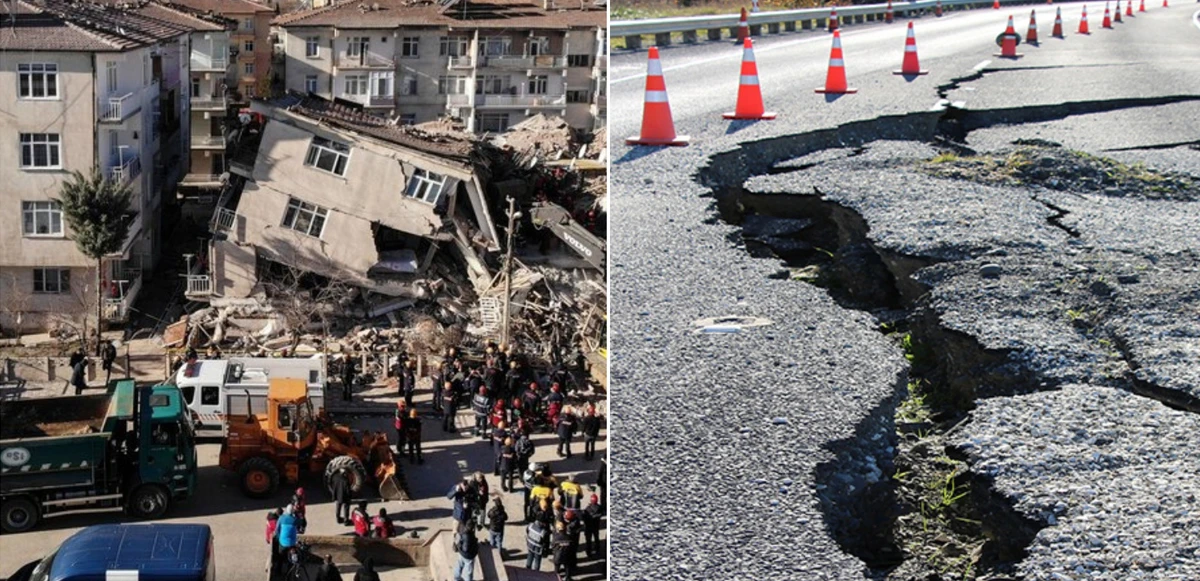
208, 93
85, 85
491, 64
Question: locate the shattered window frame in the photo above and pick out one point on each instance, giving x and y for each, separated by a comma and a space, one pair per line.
304, 217
324, 152
425, 186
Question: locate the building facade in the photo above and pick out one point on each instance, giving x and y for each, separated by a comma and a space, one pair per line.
86, 85
490, 64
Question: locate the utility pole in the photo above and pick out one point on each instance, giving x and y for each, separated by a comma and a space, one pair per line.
508, 259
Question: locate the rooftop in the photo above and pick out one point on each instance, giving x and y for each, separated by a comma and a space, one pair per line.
457, 14
224, 6
96, 26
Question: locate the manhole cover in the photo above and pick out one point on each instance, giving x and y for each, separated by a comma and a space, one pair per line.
729, 324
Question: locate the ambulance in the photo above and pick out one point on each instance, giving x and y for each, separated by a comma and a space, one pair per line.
213, 388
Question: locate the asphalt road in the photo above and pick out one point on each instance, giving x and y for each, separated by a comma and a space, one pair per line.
731, 449
238, 522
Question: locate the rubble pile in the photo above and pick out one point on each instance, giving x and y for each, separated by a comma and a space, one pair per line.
546, 138
554, 312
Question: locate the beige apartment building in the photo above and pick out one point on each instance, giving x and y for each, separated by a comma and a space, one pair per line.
85, 85
490, 63
249, 45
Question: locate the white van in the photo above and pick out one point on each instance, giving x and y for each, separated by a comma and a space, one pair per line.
212, 388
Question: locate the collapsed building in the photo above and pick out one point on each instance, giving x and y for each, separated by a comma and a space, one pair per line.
400, 216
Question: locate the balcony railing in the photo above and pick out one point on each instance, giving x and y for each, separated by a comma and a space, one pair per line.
458, 100
208, 142
126, 172
198, 285
365, 60
118, 108
202, 63
510, 61
460, 62
520, 100
223, 220
209, 103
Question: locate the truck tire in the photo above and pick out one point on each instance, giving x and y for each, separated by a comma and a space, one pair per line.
149, 501
358, 474
259, 477
18, 515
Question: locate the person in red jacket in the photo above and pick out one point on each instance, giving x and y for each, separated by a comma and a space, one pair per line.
398, 423
384, 529
358, 516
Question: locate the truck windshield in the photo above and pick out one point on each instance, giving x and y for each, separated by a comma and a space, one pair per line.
287, 415
42, 571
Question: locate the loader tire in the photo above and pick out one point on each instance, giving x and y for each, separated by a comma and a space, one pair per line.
259, 477
357, 473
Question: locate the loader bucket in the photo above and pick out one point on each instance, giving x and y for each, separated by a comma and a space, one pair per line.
391, 485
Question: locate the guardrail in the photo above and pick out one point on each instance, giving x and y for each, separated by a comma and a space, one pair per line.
808, 18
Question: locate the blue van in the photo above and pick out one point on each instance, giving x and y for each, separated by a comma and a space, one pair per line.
151, 552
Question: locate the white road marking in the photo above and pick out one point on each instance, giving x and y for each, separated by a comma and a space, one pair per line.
737, 57
1196, 19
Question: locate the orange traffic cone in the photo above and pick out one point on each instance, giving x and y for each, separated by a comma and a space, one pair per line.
657, 126
749, 101
1165, 4
833, 20
1083, 25
911, 65
889, 16
995, 4
1107, 22
1129, 8
835, 79
1117, 12
1008, 42
1142, 6
937, 8
1031, 34
743, 27
1058, 31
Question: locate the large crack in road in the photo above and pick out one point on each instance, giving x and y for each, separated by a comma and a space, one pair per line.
1009, 303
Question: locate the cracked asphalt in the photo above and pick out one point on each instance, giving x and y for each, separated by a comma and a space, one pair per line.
735, 454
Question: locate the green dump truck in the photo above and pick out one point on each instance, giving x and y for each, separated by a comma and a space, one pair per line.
133, 449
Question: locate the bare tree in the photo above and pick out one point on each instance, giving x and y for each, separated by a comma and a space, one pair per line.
14, 300
303, 298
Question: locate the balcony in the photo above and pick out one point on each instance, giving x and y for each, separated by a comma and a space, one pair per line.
500, 101
118, 109
208, 142
201, 180
602, 61
223, 219
458, 100
209, 103
199, 286
460, 62
126, 289
125, 173
206, 64
364, 60
527, 62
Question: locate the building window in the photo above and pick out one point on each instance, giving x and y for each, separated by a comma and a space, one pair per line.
354, 85
312, 47
248, 46
579, 60
453, 46
310, 83
247, 24
492, 85
578, 96
249, 91
408, 119
329, 156
452, 85
42, 218
110, 74
494, 122
408, 85
304, 217
51, 280
425, 186
537, 85
358, 45
40, 151
381, 83
495, 46
37, 80
539, 45
195, 87
409, 46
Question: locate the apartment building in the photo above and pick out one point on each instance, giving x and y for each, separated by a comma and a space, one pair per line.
490, 63
330, 190
249, 44
210, 96
83, 85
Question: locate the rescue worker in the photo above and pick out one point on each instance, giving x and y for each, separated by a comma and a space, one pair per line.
450, 403
409, 383
590, 425
339, 484
107, 357
591, 526
329, 571
362, 524
570, 493
460, 494
440, 379
384, 529
566, 431
347, 376
412, 429
499, 435
524, 448
537, 541
480, 494
300, 510
508, 465
564, 561
400, 416
481, 404
554, 405
574, 521
78, 380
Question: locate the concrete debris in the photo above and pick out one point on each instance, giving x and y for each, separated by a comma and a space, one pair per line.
554, 312
547, 138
